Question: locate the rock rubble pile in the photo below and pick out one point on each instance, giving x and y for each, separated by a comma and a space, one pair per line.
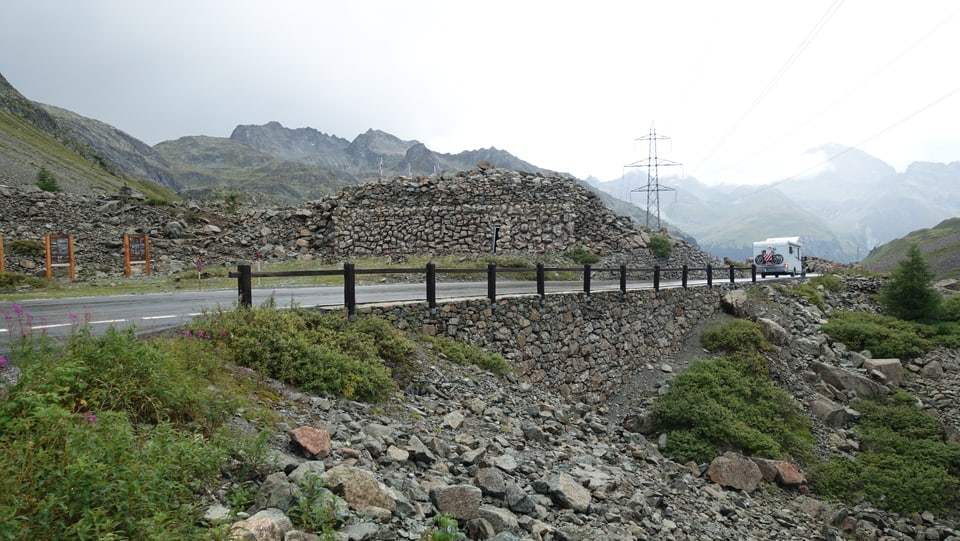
514, 461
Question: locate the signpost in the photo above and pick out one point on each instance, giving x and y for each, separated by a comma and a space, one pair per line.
1, 254
136, 249
199, 273
59, 253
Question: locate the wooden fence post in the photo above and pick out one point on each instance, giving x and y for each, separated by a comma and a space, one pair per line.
753, 272
656, 277
350, 289
244, 286
541, 283
492, 283
432, 287
586, 280
683, 277
709, 275
733, 278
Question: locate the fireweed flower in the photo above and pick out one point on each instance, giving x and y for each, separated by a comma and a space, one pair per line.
90, 417
18, 309
3, 361
72, 315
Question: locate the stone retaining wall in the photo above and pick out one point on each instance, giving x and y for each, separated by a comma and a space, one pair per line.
582, 347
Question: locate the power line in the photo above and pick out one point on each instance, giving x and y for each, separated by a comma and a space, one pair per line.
878, 134
776, 78
863, 83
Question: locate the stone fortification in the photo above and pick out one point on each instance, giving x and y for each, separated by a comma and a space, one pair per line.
458, 213
585, 348
537, 215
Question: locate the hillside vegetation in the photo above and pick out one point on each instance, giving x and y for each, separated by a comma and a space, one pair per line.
940, 246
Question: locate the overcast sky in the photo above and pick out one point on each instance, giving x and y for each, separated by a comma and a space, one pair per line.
742, 88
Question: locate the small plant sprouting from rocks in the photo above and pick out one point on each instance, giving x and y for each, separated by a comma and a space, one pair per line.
447, 530
466, 354
661, 246
581, 256
315, 510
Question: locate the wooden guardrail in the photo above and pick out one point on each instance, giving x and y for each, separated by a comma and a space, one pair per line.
349, 272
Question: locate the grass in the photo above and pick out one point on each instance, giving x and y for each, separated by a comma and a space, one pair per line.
120, 437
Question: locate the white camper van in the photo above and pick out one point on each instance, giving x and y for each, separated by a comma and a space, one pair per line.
776, 256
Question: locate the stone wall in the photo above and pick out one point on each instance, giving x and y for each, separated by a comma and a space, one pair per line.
457, 213
583, 347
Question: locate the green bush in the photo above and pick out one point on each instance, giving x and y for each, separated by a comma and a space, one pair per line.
884, 336
28, 247
905, 465
741, 339
46, 181
950, 309
115, 438
718, 404
806, 291
14, 279
830, 282
319, 353
661, 246
581, 256
465, 354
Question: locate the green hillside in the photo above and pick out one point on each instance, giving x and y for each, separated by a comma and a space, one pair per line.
940, 246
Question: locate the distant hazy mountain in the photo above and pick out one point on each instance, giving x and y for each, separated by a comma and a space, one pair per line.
857, 203
303, 163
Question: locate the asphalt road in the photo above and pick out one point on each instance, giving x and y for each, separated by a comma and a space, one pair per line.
157, 312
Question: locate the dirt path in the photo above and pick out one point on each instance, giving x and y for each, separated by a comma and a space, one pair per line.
639, 390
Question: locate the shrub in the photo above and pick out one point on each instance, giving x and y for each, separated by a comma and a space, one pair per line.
319, 353
114, 438
28, 247
909, 294
717, 404
661, 246
806, 291
884, 336
830, 282
742, 340
464, 354
14, 279
905, 465
46, 181
447, 530
581, 256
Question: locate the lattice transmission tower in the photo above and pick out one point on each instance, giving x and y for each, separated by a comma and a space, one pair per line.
653, 163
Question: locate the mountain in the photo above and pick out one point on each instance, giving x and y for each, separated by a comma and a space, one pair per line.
299, 164
940, 246
853, 204
85, 156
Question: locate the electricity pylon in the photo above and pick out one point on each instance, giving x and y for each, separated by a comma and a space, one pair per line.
652, 163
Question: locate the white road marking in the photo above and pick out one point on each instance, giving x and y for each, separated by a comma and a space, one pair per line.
106, 321
158, 317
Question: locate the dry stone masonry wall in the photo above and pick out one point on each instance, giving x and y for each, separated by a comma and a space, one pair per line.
583, 347
536, 214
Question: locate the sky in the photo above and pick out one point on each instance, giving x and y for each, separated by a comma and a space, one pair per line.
743, 89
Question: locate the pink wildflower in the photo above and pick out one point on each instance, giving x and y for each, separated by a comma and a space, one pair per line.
90, 417
17, 309
3, 361
72, 315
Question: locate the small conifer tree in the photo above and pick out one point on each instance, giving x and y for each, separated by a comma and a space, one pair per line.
909, 294
46, 181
